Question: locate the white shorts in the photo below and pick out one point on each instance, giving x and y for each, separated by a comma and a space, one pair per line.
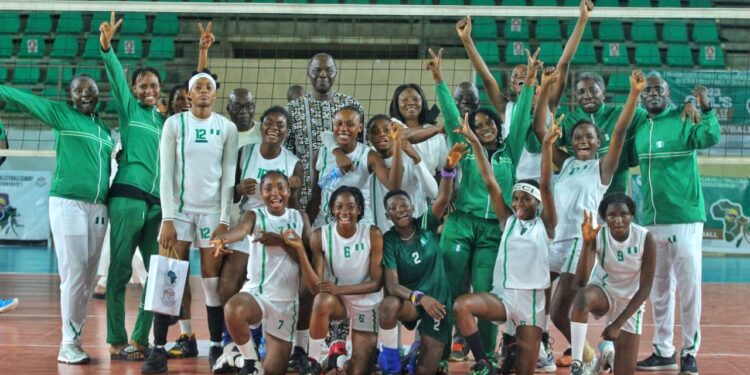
195, 228
617, 305
563, 257
363, 320
523, 307
279, 317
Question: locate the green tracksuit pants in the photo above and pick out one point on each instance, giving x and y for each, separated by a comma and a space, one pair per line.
134, 223
470, 244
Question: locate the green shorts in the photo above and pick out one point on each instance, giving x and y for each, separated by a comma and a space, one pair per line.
437, 329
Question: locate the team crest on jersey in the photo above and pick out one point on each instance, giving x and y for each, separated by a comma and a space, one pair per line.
736, 224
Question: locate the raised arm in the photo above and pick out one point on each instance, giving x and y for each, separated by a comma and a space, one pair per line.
207, 39
541, 114
391, 176
707, 132
586, 8
445, 99
42, 109
445, 191
549, 212
463, 28
419, 135
518, 134
588, 252
118, 82
608, 164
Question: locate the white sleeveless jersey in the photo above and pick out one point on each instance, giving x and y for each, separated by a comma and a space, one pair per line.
348, 262
356, 178
578, 187
254, 166
271, 272
619, 265
411, 182
522, 262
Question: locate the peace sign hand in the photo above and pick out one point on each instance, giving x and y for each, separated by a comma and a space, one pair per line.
587, 228
107, 31
434, 65
533, 64
554, 131
207, 37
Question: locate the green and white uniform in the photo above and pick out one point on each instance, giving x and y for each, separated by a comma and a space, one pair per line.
419, 264
273, 276
134, 207
78, 215
673, 210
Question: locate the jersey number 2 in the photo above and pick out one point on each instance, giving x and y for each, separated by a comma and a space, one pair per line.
415, 255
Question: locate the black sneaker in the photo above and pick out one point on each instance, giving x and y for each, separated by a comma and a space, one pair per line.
576, 368
214, 352
483, 367
185, 347
156, 363
248, 368
688, 366
657, 363
298, 355
509, 360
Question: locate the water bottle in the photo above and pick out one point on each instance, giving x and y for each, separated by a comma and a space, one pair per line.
606, 355
262, 348
331, 180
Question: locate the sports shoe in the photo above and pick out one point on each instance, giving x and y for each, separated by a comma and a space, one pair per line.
156, 362
459, 352
310, 367
72, 354
8, 304
185, 347
606, 360
657, 363
410, 359
482, 368
214, 354
442, 368
509, 360
545, 362
389, 361
298, 356
229, 361
331, 361
248, 368
576, 368
688, 365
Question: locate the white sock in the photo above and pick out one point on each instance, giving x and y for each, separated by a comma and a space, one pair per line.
210, 288
315, 347
546, 322
185, 327
302, 338
214, 343
248, 350
389, 337
577, 339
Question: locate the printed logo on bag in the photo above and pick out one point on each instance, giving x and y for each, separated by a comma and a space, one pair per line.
171, 277
168, 297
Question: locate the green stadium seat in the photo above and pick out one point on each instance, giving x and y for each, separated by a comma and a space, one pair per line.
64, 47
615, 54
482, 2
130, 48
166, 24
349, 1
10, 23
91, 48
162, 48
110, 106
305, 1
32, 46
550, 52
25, 74
711, 57
451, 2
91, 70
705, 32
516, 29
647, 54
544, 3
483, 98
484, 28
599, 3
314, 1
97, 19
619, 99
618, 82
547, 29
133, 24
158, 65
513, 3
643, 31
489, 52
674, 32
39, 23
3, 74
670, 3
52, 93
587, 33
639, 3
585, 55
679, 55
6, 48
59, 71
515, 52
69, 23
611, 31
700, 3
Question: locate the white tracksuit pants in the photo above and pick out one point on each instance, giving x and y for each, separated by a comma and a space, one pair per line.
78, 230
678, 268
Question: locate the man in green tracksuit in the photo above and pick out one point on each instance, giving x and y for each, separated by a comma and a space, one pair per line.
134, 208
471, 234
673, 211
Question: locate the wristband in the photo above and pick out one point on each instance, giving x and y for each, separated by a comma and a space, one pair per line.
415, 297
448, 174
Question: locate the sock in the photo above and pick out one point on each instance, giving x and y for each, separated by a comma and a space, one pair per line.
546, 322
315, 348
302, 338
577, 339
186, 327
248, 350
475, 344
215, 322
389, 337
161, 327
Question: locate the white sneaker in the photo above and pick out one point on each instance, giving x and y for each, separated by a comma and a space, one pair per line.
72, 354
606, 360
545, 363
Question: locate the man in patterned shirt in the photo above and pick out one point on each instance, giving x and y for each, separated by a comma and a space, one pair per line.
313, 113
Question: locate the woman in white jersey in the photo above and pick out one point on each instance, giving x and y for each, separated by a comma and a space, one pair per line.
347, 124
198, 154
346, 275
580, 185
623, 257
521, 272
270, 294
417, 179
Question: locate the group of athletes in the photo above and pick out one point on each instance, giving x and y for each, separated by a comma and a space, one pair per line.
308, 231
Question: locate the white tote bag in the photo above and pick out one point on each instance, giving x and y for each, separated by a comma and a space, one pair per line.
166, 284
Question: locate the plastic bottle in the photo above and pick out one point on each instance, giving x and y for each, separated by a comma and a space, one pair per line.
262, 348
331, 180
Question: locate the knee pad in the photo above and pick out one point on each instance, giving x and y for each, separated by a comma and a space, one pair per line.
211, 288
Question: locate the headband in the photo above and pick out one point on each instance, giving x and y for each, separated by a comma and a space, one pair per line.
530, 189
198, 76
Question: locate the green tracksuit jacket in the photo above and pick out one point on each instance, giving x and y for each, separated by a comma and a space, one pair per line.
666, 147
83, 146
